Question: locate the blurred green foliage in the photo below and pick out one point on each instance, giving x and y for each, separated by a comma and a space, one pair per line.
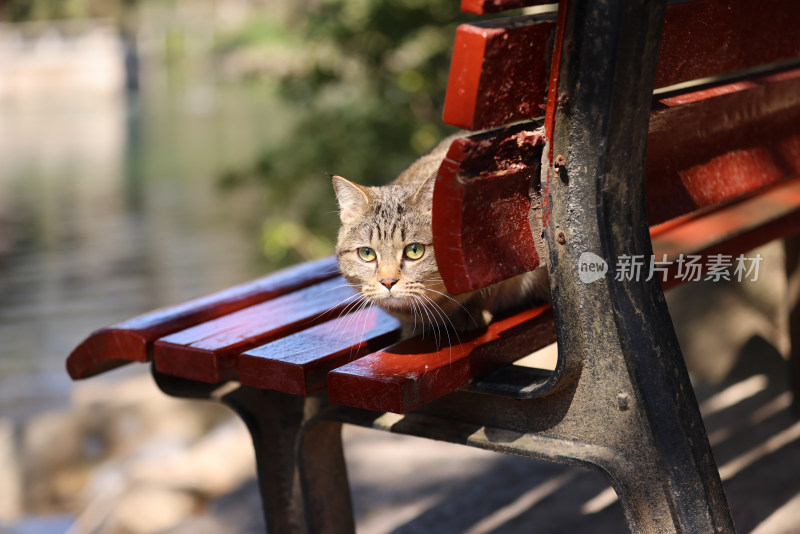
32, 10
366, 85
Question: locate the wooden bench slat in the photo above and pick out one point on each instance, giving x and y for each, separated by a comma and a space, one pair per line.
733, 143
714, 37
499, 69
207, 352
486, 86
713, 161
482, 7
132, 340
416, 371
488, 175
299, 364
773, 213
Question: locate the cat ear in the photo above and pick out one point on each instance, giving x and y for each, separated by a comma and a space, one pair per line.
424, 194
353, 198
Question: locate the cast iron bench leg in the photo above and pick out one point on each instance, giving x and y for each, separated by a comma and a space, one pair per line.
300, 460
594, 168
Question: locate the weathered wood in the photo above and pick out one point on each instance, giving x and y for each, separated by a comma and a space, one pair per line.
482, 232
299, 364
131, 341
714, 37
733, 141
743, 139
208, 352
762, 216
499, 69
486, 86
414, 372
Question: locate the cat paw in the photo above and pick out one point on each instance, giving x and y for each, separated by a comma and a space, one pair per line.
474, 320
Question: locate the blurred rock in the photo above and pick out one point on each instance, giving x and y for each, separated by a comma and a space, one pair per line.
215, 465
238, 512
125, 411
145, 509
52, 454
125, 458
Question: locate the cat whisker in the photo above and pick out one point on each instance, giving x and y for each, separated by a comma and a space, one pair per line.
414, 314
357, 296
440, 311
347, 308
355, 308
355, 287
440, 326
430, 318
445, 295
364, 325
419, 309
435, 309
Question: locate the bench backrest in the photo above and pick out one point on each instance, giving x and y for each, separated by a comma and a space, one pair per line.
723, 124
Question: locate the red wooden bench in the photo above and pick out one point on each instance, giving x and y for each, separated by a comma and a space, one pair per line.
719, 144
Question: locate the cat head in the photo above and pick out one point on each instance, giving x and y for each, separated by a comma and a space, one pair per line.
385, 244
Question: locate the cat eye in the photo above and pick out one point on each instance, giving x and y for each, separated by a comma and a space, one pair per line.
366, 254
414, 251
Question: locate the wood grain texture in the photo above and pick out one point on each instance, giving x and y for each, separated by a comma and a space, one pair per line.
738, 227
414, 372
713, 37
481, 203
732, 140
132, 340
208, 352
299, 364
500, 68
486, 86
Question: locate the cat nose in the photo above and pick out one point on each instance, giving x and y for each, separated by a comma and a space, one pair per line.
388, 282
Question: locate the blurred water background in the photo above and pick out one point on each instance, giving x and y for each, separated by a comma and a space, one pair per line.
156, 150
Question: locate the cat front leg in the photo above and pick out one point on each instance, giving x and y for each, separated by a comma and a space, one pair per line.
475, 313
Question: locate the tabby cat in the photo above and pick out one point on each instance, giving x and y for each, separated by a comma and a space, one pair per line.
385, 251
